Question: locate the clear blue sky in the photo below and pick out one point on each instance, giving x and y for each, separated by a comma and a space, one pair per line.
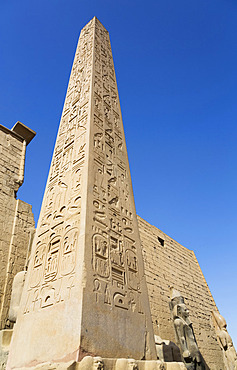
176, 69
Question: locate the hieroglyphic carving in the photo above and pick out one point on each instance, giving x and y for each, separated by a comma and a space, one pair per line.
101, 255
68, 260
113, 235
54, 259
38, 265
115, 261
87, 247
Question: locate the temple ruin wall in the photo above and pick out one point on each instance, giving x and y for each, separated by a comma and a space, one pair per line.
16, 216
168, 263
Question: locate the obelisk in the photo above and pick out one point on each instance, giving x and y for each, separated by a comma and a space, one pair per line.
85, 291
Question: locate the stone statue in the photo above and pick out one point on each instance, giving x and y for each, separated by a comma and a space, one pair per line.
225, 340
17, 288
184, 332
18, 283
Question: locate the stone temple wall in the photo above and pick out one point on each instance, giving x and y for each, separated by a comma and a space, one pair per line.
16, 216
167, 263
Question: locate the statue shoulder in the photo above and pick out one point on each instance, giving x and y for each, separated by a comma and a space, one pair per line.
178, 321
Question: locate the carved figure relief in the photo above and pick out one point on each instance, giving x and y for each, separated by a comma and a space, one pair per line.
52, 259
38, 265
69, 251
101, 255
132, 269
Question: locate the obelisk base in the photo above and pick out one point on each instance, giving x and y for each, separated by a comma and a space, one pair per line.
98, 363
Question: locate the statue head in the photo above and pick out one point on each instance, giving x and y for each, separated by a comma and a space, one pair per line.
219, 321
175, 296
182, 310
178, 306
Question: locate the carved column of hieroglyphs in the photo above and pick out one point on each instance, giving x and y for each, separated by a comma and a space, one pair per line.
115, 260
85, 283
54, 259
